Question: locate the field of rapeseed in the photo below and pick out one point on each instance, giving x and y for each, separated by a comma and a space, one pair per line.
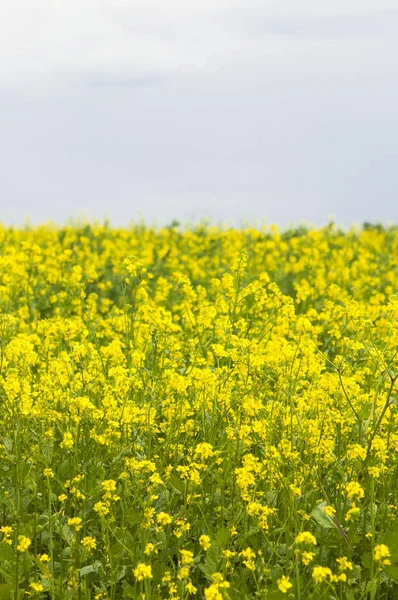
199, 413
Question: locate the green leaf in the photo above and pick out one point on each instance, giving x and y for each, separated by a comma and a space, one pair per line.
87, 570
367, 560
6, 552
118, 550
223, 536
390, 539
178, 484
392, 572
211, 563
253, 531
5, 591
321, 518
129, 591
372, 586
365, 411
120, 573
90, 569
8, 443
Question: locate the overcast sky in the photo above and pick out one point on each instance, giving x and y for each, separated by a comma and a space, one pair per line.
180, 109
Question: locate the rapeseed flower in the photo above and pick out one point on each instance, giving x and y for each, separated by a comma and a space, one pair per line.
143, 571
23, 543
320, 574
162, 383
76, 523
89, 543
306, 537
284, 584
354, 490
205, 542
381, 554
163, 519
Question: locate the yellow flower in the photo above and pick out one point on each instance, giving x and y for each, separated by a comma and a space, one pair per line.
149, 548
296, 491
36, 587
205, 542
109, 485
183, 573
374, 472
284, 584
353, 512
329, 511
143, 571
6, 530
44, 558
186, 557
356, 451
67, 442
354, 490
248, 555
319, 574
204, 450
344, 564
155, 479
48, 473
101, 508
181, 527
163, 519
307, 557
215, 590
89, 543
75, 522
306, 537
381, 554
191, 589
23, 543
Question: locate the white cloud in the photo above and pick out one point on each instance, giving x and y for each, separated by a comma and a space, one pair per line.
56, 42
50, 39
181, 108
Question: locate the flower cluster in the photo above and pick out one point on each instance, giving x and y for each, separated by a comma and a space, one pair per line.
198, 412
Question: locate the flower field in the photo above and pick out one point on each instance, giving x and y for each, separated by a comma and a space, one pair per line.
198, 413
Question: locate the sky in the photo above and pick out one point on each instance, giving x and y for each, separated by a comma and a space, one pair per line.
234, 110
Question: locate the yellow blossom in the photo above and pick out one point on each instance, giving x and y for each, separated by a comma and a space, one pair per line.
89, 543
381, 554
23, 543
143, 571
330, 511
306, 537
354, 490
75, 522
163, 518
319, 574
44, 558
186, 557
284, 584
205, 542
